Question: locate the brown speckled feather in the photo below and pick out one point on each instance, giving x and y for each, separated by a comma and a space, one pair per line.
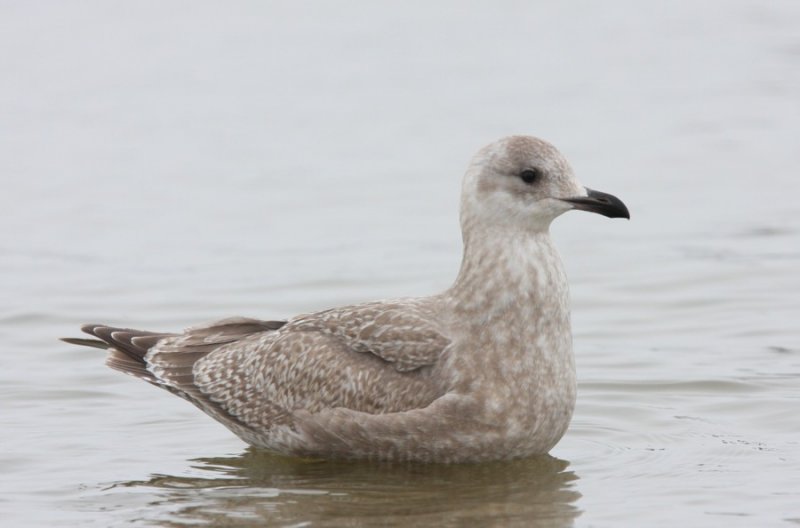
398, 332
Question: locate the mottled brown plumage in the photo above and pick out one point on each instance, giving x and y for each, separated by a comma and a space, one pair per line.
481, 371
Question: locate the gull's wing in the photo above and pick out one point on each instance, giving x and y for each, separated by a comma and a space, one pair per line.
253, 375
398, 332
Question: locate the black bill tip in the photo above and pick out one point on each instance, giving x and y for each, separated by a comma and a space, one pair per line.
600, 203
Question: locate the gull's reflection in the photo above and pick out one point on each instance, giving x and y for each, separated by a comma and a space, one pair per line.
261, 489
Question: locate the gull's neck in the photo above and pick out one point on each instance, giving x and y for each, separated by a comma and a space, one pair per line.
510, 274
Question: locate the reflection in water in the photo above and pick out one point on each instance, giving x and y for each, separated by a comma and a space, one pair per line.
259, 489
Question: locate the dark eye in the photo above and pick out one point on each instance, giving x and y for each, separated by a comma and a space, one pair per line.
530, 176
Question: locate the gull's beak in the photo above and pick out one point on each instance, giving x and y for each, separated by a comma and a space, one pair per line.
601, 203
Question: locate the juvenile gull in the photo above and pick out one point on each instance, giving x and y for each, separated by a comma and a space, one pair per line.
479, 372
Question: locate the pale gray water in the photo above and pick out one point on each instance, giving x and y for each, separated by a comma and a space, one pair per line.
168, 163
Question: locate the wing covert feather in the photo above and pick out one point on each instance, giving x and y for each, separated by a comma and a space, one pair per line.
399, 333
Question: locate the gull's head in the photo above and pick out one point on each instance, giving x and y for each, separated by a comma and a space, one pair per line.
524, 183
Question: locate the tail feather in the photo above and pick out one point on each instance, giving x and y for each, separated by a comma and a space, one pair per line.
124, 363
122, 339
127, 348
94, 343
171, 363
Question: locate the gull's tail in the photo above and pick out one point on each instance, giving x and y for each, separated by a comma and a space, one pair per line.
166, 359
127, 348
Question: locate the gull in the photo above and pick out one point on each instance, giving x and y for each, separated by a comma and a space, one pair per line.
482, 371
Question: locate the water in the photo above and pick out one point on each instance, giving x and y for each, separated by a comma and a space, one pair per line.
165, 164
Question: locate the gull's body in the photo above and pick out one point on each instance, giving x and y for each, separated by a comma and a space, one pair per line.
482, 371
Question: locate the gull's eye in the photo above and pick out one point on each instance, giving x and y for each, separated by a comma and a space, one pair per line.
530, 176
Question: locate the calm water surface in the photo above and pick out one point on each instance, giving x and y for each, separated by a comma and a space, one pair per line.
165, 164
